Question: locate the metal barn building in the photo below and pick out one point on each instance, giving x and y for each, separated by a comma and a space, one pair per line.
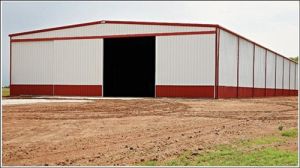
146, 59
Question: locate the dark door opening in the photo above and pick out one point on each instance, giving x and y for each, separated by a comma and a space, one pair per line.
129, 67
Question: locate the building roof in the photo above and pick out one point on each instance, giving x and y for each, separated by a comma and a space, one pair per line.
145, 23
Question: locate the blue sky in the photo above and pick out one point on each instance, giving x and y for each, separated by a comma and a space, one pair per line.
272, 24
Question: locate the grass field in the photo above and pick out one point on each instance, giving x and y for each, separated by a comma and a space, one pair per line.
5, 92
261, 151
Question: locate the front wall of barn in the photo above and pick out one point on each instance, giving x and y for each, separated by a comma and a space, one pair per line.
189, 61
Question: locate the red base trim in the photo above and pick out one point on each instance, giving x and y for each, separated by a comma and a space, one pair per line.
259, 92
286, 92
16, 90
227, 92
279, 92
185, 91
57, 90
78, 90
270, 92
245, 92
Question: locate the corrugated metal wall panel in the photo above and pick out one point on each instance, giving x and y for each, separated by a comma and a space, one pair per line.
112, 29
292, 76
228, 59
185, 60
270, 70
279, 72
259, 67
78, 62
297, 77
286, 74
32, 63
246, 64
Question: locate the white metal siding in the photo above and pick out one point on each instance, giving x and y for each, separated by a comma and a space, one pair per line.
32, 63
270, 70
292, 76
112, 29
259, 67
78, 62
246, 64
279, 72
228, 59
185, 60
297, 77
286, 74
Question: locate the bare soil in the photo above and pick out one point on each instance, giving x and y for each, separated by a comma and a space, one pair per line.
127, 132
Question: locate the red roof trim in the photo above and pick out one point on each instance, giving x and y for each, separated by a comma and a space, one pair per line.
145, 23
55, 28
113, 22
162, 23
113, 36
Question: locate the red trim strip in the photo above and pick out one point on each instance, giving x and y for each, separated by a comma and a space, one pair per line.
246, 92
115, 22
229, 31
78, 90
227, 92
17, 90
113, 36
185, 91
259, 92
55, 28
162, 23
61, 90
142, 23
270, 92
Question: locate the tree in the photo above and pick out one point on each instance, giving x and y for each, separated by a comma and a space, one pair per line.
294, 59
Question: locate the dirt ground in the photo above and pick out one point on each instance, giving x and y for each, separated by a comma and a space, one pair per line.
127, 132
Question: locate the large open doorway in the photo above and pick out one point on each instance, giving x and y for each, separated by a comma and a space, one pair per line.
129, 67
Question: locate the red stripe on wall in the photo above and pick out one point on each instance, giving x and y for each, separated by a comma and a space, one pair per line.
113, 36
279, 92
78, 90
259, 92
227, 91
270, 92
17, 90
58, 90
161, 23
185, 91
245, 92
115, 22
56, 28
286, 92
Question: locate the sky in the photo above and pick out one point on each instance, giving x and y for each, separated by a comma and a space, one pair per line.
274, 25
